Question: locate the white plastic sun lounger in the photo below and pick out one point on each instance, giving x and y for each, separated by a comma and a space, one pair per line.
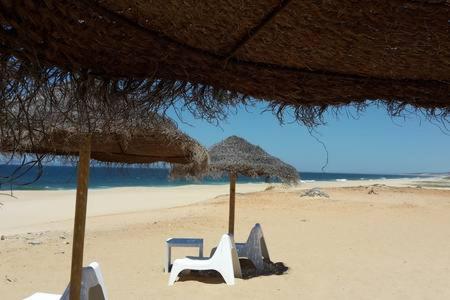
255, 249
224, 261
92, 286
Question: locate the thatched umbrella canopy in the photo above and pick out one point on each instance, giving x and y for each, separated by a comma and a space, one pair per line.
235, 156
157, 141
122, 131
238, 156
306, 55
160, 144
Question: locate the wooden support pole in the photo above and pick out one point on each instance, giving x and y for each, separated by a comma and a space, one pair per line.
232, 204
80, 218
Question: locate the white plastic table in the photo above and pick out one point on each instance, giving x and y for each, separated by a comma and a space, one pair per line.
181, 242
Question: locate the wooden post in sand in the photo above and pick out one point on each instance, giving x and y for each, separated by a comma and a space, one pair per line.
80, 217
232, 198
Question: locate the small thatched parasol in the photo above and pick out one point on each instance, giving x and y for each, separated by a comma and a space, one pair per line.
306, 55
235, 156
160, 141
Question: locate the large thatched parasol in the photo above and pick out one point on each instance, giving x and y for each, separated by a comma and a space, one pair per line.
235, 156
148, 146
160, 141
307, 55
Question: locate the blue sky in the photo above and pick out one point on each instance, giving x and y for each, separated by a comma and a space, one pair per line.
374, 143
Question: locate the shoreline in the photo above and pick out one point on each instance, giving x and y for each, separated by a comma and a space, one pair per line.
34, 211
301, 181
42, 210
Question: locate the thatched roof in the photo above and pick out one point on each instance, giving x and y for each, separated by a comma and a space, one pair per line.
168, 145
238, 156
121, 135
301, 54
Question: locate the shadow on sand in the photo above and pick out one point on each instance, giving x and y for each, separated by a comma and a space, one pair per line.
248, 271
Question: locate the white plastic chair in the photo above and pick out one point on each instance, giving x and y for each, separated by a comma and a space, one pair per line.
92, 286
224, 261
44, 296
255, 249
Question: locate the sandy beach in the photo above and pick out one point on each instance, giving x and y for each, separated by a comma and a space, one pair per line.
389, 244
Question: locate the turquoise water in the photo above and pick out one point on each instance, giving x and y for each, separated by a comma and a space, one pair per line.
64, 177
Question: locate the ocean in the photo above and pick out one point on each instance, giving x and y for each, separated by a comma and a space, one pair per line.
64, 177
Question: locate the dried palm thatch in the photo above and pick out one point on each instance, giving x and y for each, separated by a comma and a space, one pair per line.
158, 145
235, 155
304, 55
158, 140
49, 126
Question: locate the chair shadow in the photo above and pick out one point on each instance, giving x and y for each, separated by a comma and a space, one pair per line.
207, 276
248, 272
